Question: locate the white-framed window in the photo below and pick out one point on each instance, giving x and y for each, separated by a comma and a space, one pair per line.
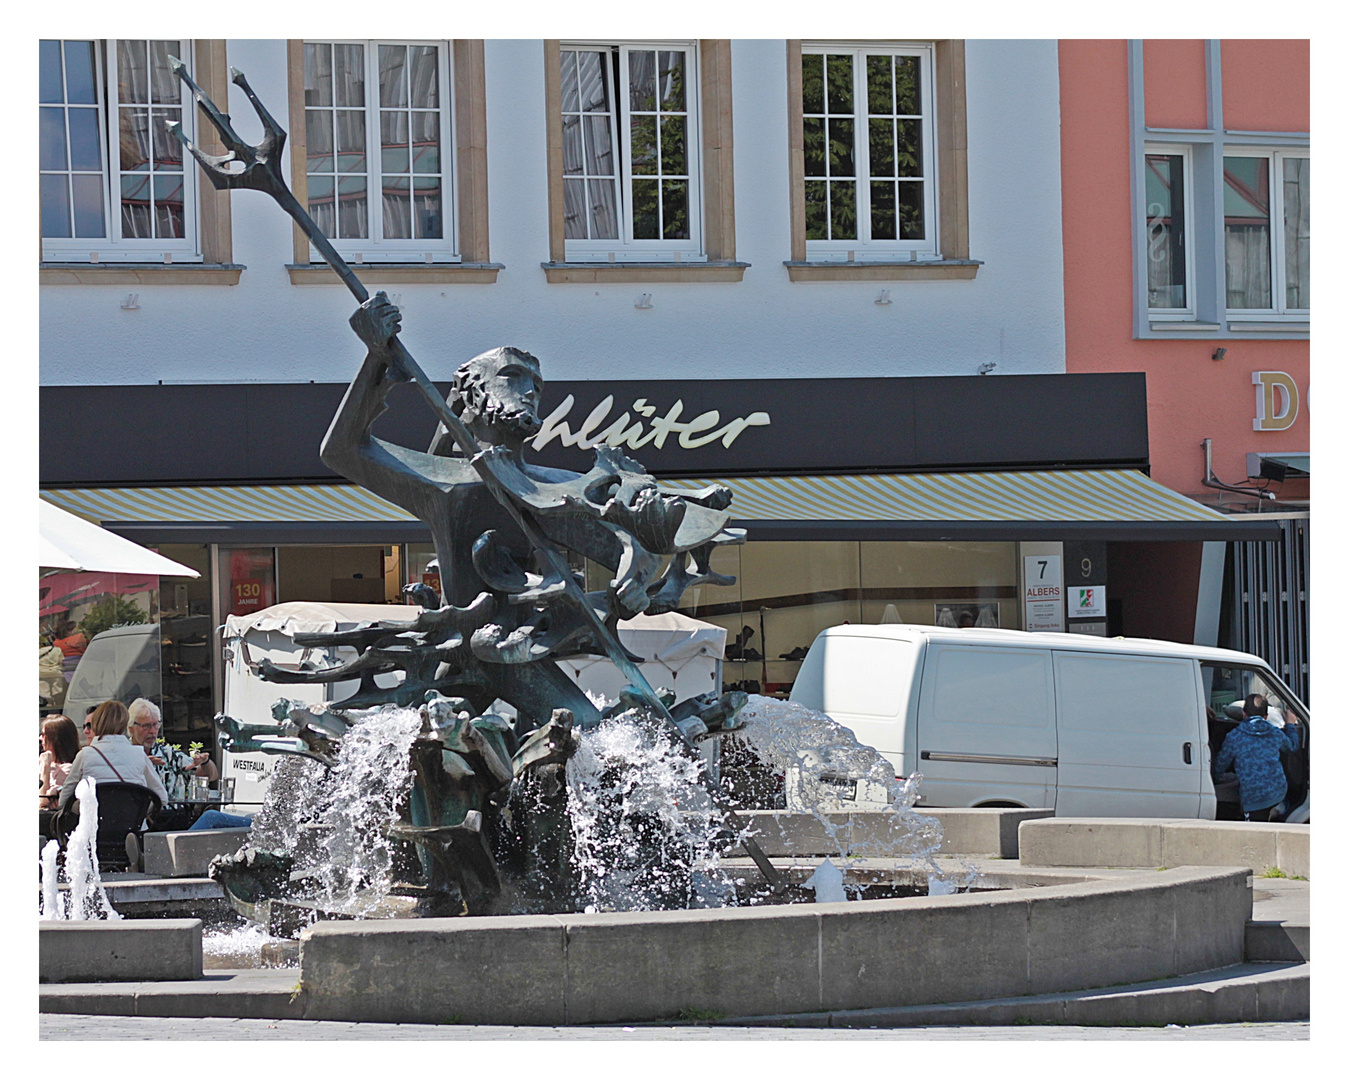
870, 158
378, 118
1168, 244
1267, 232
139, 204
630, 137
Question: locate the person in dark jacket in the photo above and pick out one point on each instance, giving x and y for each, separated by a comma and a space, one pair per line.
1252, 749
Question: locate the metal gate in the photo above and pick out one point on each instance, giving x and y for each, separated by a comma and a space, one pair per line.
1269, 601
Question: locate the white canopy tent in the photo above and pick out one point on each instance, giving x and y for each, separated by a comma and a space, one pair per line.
67, 542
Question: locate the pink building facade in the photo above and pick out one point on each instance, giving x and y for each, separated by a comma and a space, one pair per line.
1186, 169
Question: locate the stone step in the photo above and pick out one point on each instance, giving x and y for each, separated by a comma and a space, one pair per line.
1272, 941
1243, 993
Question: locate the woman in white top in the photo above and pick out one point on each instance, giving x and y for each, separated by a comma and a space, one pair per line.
111, 756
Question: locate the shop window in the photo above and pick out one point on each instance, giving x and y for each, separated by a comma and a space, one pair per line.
1267, 232
115, 184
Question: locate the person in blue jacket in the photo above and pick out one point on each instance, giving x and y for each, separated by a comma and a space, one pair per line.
1252, 749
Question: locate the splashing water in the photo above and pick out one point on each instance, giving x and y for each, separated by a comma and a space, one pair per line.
86, 897
815, 753
645, 832
337, 820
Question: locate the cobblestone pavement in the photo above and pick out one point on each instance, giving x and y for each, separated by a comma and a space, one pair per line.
53, 1026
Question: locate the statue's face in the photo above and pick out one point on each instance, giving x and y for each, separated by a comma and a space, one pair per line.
514, 388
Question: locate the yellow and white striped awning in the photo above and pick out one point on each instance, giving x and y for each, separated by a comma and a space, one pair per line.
955, 502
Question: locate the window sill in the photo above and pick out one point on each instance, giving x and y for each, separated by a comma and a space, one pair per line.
1290, 330
398, 273
50, 273
583, 273
940, 270
1256, 327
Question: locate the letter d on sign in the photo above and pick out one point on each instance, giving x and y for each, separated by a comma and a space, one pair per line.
1268, 415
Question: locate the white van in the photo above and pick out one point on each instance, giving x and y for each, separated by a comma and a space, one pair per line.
1093, 727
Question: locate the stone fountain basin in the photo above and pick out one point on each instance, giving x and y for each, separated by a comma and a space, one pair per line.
637, 966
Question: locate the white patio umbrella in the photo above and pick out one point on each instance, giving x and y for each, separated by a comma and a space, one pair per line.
67, 542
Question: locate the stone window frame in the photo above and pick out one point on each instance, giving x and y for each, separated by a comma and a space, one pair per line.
953, 231
718, 187
469, 105
215, 233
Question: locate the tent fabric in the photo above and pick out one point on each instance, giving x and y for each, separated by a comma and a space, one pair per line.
68, 542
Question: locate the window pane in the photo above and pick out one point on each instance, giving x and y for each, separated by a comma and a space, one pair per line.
843, 210
812, 83
599, 149
50, 88
814, 146
817, 210
675, 209
137, 221
349, 75
673, 161
883, 211
168, 150
393, 139
642, 81
909, 152
133, 73
321, 206
318, 74
880, 85
671, 83
574, 209
424, 76
351, 208
169, 205
908, 86
838, 94
591, 73
350, 140
881, 139
645, 210
426, 208
603, 209
573, 153
426, 142
164, 87
134, 139
80, 88
1165, 192
571, 98
318, 133
88, 206
1297, 231
1246, 231
52, 138
397, 208
911, 221
393, 85
841, 161
645, 160
55, 206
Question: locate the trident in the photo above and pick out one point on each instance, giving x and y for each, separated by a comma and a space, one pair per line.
261, 171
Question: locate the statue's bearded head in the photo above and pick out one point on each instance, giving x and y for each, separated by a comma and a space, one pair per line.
497, 396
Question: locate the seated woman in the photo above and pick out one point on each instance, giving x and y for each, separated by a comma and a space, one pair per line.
110, 756
60, 744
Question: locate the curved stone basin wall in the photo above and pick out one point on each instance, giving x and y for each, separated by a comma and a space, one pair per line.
616, 967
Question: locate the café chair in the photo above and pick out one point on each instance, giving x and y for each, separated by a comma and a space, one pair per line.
122, 811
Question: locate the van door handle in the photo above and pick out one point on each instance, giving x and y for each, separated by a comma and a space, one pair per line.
1187, 755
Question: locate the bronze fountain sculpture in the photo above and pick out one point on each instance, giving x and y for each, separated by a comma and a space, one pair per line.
510, 606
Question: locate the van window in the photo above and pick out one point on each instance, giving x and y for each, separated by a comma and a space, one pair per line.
992, 686
1224, 684
1154, 695
863, 676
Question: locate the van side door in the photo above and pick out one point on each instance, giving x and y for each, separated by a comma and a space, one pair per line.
986, 726
1130, 742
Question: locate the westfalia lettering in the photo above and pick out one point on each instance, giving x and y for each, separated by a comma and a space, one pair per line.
595, 429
